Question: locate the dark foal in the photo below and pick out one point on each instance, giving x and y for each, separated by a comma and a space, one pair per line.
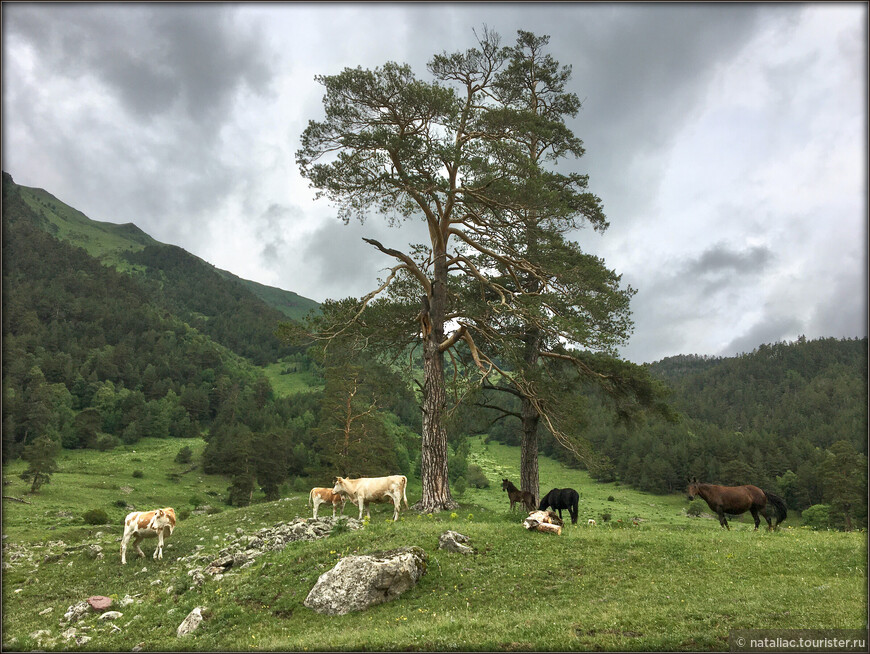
516, 495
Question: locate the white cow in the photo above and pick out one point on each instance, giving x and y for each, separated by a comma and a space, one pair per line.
147, 524
365, 490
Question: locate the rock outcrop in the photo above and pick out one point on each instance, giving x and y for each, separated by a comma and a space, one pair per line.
358, 582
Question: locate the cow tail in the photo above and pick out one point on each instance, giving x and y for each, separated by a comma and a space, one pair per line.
310, 497
404, 496
778, 504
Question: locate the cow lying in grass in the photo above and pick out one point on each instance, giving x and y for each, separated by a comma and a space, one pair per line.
147, 524
319, 496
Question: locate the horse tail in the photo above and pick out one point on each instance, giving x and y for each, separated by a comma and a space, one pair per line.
778, 505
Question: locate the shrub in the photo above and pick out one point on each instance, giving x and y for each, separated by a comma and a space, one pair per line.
605, 517
185, 455
184, 514
299, 485
459, 487
138, 474
818, 516
121, 504
107, 442
212, 510
95, 517
195, 501
610, 498
476, 478
694, 509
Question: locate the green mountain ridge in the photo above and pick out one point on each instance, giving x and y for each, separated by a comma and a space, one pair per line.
111, 243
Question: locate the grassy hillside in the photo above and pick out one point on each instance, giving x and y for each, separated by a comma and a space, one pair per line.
102, 240
289, 303
668, 583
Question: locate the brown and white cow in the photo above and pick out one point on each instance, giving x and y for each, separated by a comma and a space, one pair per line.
318, 496
365, 490
147, 524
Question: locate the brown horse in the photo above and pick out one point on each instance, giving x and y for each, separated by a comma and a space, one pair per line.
516, 495
738, 499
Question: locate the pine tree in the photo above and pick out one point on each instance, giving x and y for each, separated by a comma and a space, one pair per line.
40, 455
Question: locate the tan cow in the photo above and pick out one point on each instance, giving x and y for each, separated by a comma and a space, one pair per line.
147, 524
365, 490
318, 496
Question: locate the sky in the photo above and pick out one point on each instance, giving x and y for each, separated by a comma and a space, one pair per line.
727, 142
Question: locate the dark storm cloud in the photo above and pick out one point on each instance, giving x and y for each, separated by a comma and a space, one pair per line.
721, 259
148, 90
152, 58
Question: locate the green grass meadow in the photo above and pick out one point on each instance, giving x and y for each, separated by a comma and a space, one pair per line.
669, 582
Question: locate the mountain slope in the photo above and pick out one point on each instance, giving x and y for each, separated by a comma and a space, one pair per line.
112, 243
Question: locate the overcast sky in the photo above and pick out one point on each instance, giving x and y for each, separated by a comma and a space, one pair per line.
728, 144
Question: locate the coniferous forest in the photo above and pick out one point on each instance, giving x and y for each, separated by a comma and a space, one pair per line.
160, 344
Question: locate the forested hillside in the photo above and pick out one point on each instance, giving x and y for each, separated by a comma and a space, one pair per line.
146, 340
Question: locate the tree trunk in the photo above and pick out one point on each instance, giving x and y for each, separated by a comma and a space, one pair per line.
530, 418
433, 462
529, 450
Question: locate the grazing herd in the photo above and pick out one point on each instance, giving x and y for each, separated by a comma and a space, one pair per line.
733, 500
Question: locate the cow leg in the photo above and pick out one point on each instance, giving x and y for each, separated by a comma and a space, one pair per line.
396, 509
124, 542
333, 509
316, 504
136, 540
361, 502
158, 551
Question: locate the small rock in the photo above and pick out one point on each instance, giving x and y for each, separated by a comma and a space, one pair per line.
46, 611
190, 623
139, 647
453, 541
111, 615
39, 635
75, 612
94, 552
69, 633
126, 601
81, 640
156, 582
99, 602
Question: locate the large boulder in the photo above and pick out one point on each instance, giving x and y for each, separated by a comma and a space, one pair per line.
358, 582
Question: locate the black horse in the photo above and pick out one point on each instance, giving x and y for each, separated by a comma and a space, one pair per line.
562, 498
